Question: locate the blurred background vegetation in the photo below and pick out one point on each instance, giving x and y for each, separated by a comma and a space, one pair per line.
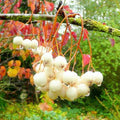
106, 59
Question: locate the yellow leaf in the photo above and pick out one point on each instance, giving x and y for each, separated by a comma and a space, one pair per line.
22, 53
12, 72
27, 53
17, 68
31, 80
15, 46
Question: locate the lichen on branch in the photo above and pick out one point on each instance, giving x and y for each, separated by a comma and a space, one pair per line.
88, 23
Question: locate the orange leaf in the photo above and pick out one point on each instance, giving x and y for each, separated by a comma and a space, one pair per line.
37, 58
11, 46
21, 73
94, 112
43, 8
32, 6
2, 71
31, 80
27, 73
15, 53
10, 63
45, 107
17, 63
5, 45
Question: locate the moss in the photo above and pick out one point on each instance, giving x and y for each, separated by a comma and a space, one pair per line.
78, 20
116, 32
59, 18
88, 23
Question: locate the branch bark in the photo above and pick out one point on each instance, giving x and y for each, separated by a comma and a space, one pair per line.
88, 23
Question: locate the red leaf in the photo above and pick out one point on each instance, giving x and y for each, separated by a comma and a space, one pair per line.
66, 7
49, 6
66, 38
1, 22
41, 39
18, 3
104, 23
74, 35
86, 59
16, 10
85, 34
112, 42
27, 29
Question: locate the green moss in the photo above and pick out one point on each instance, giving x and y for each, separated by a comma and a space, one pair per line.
116, 32
59, 18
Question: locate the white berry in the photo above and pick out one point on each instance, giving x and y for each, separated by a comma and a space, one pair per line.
52, 95
55, 85
34, 44
47, 59
83, 90
49, 72
40, 79
62, 93
39, 68
69, 77
71, 93
98, 78
26, 43
18, 40
60, 62
88, 77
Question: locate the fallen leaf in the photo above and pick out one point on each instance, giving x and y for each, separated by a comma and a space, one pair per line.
45, 107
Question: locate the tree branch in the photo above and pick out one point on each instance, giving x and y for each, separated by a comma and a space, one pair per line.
88, 23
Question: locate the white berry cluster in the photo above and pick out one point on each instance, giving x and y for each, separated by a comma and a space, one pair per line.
27, 44
31, 44
52, 77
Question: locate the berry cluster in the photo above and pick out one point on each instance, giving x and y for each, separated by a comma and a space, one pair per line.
52, 77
